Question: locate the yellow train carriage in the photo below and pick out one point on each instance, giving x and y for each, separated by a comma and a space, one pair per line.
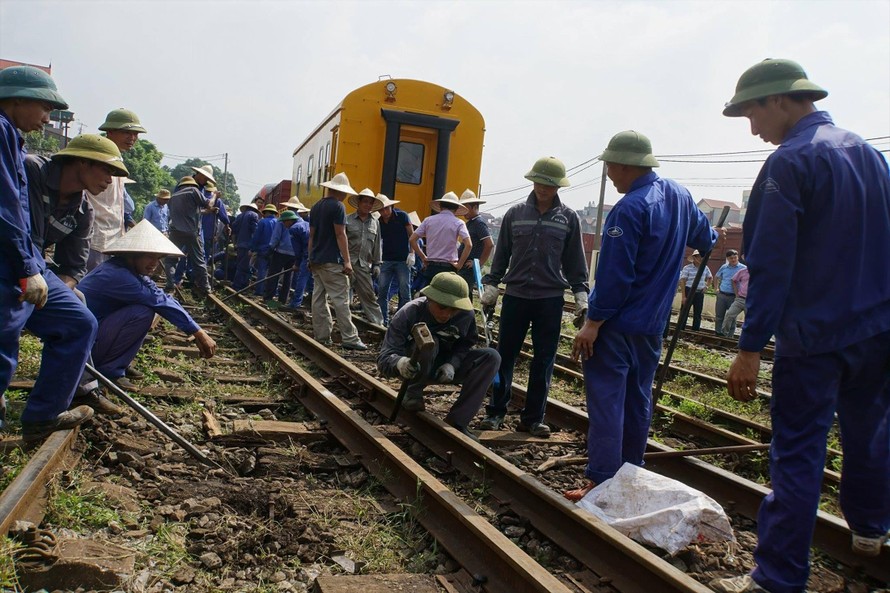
409, 139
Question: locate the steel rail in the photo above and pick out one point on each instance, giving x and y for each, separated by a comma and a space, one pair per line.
743, 496
20, 496
468, 537
623, 562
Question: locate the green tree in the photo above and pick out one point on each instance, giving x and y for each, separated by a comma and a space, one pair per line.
227, 181
37, 143
144, 163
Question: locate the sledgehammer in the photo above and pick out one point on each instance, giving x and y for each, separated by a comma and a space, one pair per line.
423, 342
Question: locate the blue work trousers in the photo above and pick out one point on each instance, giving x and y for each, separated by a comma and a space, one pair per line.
300, 283
618, 383
261, 267
388, 271
67, 330
545, 318
279, 262
119, 338
853, 382
242, 269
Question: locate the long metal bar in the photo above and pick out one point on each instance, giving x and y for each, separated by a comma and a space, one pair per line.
629, 566
249, 286
468, 537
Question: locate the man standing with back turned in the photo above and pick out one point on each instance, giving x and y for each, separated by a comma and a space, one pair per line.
819, 221
643, 245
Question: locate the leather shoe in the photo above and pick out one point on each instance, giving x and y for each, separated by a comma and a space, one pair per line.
125, 383
355, 346
34, 431
98, 402
133, 373
413, 404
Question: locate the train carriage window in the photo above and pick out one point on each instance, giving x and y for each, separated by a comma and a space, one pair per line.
299, 178
320, 165
410, 163
309, 169
327, 162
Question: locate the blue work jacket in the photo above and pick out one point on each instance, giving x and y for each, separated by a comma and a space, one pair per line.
644, 241
244, 227
817, 235
280, 241
263, 234
299, 236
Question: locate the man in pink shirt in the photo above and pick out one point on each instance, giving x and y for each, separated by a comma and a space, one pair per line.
442, 233
740, 287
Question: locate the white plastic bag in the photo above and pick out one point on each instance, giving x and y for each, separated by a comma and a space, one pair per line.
656, 510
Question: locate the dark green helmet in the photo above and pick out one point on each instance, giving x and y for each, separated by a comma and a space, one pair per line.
96, 148
771, 77
548, 170
629, 148
122, 119
287, 215
27, 82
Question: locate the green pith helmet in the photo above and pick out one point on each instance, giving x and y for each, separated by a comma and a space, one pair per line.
95, 148
449, 290
629, 148
122, 119
27, 82
548, 170
771, 77
187, 180
287, 215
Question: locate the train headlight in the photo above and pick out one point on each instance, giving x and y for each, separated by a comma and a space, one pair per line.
448, 100
390, 89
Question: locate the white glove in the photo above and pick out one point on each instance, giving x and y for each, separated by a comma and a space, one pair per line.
34, 290
445, 373
580, 309
489, 295
411, 259
407, 369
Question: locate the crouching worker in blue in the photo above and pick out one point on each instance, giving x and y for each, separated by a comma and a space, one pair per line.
448, 312
31, 296
823, 197
124, 298
643, 244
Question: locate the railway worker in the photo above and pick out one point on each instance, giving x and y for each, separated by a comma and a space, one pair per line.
448, 312
157, 212
281, 257
121, 126
61, 215
331, 265
397, 256
299, 234
185, 207
415, 265
479, 235
822, 196
442, 232
697, 294
30, 295
740, 287
646, 235
725, 291
124, 299
363, 237
211, 216
538, 256
259, 245
243, 229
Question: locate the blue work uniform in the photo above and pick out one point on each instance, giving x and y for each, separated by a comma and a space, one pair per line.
125, 304
243, 229
157, 215
208, 222
645, 238
299, 234
817, 235
65, 326
259, 244
281, 258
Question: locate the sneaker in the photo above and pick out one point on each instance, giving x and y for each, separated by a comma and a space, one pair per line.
356, 346
124, 383
868, 546
413, 404
133, 373
34, 431
98, 402
491, 423
744, 584
537, 429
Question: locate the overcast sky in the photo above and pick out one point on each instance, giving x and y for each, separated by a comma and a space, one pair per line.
253, 78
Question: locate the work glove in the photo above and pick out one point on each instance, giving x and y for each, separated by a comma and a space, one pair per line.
34, 290
580, 309
407, 369
445, 373
375, 272
411, 259
489, 295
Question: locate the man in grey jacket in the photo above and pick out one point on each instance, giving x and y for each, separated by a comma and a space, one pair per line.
184, 230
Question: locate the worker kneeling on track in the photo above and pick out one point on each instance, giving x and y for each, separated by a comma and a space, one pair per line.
448, 312
124, 299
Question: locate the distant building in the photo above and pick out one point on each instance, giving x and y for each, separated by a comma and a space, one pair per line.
713, 208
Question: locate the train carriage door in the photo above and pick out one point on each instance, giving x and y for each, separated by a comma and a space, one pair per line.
415, 168
415, 158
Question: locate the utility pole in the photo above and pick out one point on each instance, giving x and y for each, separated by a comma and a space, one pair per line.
226, 174
598, 237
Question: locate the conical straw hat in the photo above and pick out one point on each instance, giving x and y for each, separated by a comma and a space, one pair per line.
143, 238
340, 182
414, 218
469, 197
378, 203
450, 198
206, 171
